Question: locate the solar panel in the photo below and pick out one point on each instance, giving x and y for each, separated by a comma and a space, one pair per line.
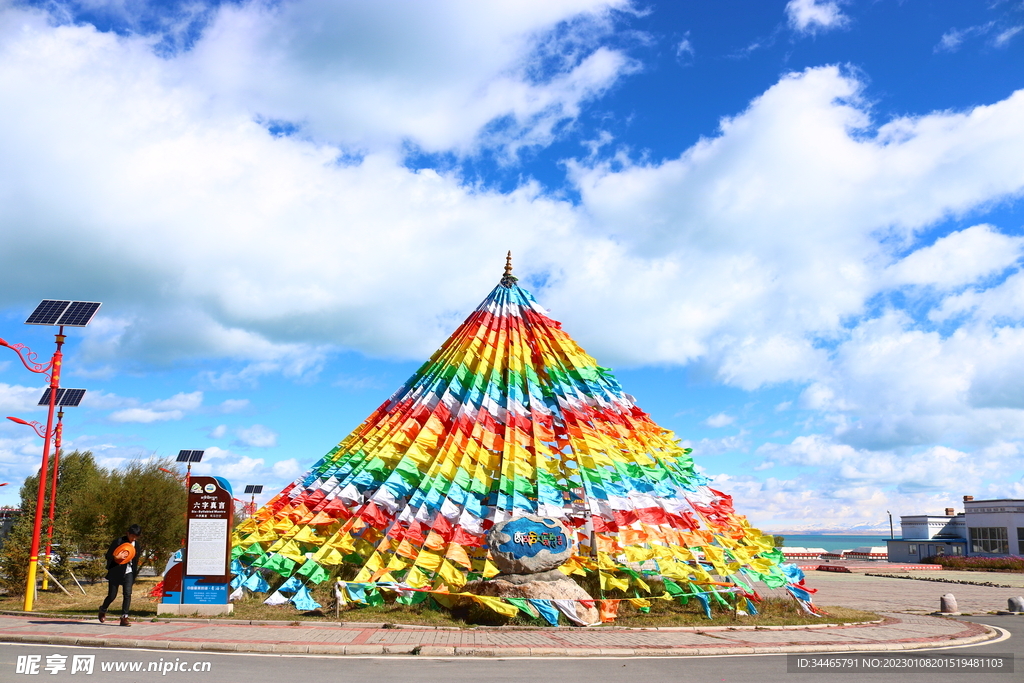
79, 313
71, 397
68, 398
190, 456
47, 312
253, 488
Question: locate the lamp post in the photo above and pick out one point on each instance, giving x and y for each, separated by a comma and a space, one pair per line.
53, 313
253, 489
891, 533
188, 457
66, 398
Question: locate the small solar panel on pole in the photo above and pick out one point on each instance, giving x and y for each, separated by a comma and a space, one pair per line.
63, 313
66, 398
190, 456
253, 489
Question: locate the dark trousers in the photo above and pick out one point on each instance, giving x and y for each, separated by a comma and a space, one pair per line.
125, 585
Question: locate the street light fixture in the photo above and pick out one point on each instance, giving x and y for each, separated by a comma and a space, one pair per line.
253, 489
66, 398
62, 314
188, 457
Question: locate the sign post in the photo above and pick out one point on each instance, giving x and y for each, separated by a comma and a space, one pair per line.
199, 584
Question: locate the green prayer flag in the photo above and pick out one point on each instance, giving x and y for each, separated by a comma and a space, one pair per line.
718, 598
413, 598
673, 588
314, 572
373, 597
280, 564
524, 606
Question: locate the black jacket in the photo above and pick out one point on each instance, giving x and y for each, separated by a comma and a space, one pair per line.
115, 571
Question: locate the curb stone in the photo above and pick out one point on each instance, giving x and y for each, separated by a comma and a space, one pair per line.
473, 651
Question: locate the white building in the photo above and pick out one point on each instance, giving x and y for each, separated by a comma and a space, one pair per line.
985, 527
995, 527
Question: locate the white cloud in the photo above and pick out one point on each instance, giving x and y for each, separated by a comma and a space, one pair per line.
288, 469
953, 38
146, 415
218, 432
1004, 37
256, 436
726, 444
719, 420
437, 74
234, 405
162, 410
958, 258
685, 52
811, 16
180, 401
14, 397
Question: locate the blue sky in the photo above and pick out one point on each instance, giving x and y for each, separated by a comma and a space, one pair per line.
794, 229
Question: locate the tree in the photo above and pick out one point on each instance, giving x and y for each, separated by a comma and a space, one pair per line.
93, 507
142, 493
14, 556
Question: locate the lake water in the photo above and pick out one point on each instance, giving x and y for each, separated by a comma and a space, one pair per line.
834, 542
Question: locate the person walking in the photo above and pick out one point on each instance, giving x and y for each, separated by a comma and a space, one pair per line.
122, 568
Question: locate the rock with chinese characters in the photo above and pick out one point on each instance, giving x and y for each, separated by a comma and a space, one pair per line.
530, 545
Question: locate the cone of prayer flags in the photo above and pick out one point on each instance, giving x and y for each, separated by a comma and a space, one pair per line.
508, 418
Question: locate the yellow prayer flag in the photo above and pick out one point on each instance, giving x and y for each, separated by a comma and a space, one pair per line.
451, 575
428, 560
307, 535
496, 604
416, 578
292, 552
397, 562
637, 554
329, 556
604, 561
609, 582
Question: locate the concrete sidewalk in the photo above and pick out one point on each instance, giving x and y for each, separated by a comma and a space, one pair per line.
895, 632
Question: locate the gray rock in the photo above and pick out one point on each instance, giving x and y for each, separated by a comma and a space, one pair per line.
553, 575
1012, 605
947, 604
514, 555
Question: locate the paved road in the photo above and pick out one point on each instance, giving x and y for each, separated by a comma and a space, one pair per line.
878, 594
297, 668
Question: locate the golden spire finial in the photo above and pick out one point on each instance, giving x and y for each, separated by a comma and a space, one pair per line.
508, 279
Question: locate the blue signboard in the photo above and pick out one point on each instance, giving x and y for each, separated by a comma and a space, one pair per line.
528, 537
196, 593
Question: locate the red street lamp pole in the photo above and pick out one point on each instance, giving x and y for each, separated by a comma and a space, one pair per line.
53, 485
53, 479
54, 367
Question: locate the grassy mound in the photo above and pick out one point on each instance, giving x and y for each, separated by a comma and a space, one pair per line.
773, 611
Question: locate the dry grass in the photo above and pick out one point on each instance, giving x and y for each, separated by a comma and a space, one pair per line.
77, 604
773, 611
